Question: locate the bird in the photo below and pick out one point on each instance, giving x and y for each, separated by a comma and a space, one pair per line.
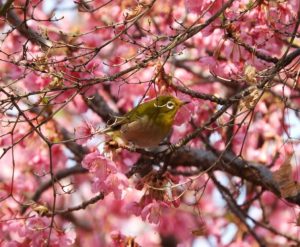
148, 124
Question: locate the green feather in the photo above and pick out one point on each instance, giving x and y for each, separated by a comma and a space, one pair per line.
147, 123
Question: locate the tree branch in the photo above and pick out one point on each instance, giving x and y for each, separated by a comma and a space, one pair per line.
26, 31
83, 205
255, 173
99, 106
4, 8
58, 176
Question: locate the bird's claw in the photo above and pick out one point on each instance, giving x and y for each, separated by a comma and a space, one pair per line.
171, 149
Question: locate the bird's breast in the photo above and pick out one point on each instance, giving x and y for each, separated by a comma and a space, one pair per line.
144, 132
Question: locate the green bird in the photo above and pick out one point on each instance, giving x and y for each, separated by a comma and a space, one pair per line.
147, 124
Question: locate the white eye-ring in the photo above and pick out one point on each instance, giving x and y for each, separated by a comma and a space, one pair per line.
170, 105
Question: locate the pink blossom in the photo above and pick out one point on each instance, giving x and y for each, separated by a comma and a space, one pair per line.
117, 183
40, 163
65, 238
79, 104
17, 227
84, 132
182, 116
153, 211
96, 50
107, 179
194, 6
97, 163
134, 208
34, 82
12, 243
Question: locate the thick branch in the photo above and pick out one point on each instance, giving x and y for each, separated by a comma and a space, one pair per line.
75, 148
99, 106
255, 173
4, 8
26, 31
59, 175
289, 58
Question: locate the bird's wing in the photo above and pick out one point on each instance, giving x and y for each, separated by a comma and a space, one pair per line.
128, 118
116, 125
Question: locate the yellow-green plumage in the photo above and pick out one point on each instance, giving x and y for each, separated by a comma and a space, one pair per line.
147, 124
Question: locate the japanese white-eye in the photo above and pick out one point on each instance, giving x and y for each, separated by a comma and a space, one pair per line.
147, 124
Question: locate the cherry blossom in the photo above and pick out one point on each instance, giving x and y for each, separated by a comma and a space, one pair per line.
227, 173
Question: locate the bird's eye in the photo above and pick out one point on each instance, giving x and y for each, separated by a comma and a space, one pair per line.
170, 105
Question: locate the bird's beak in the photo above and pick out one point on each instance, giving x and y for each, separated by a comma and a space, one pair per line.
184, 103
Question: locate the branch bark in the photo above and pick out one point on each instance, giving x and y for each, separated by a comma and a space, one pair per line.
22, 27
257, 174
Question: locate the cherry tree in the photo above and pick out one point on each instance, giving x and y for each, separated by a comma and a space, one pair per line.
226, 175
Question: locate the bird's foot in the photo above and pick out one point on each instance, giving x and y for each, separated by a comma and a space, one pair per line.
171, 148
